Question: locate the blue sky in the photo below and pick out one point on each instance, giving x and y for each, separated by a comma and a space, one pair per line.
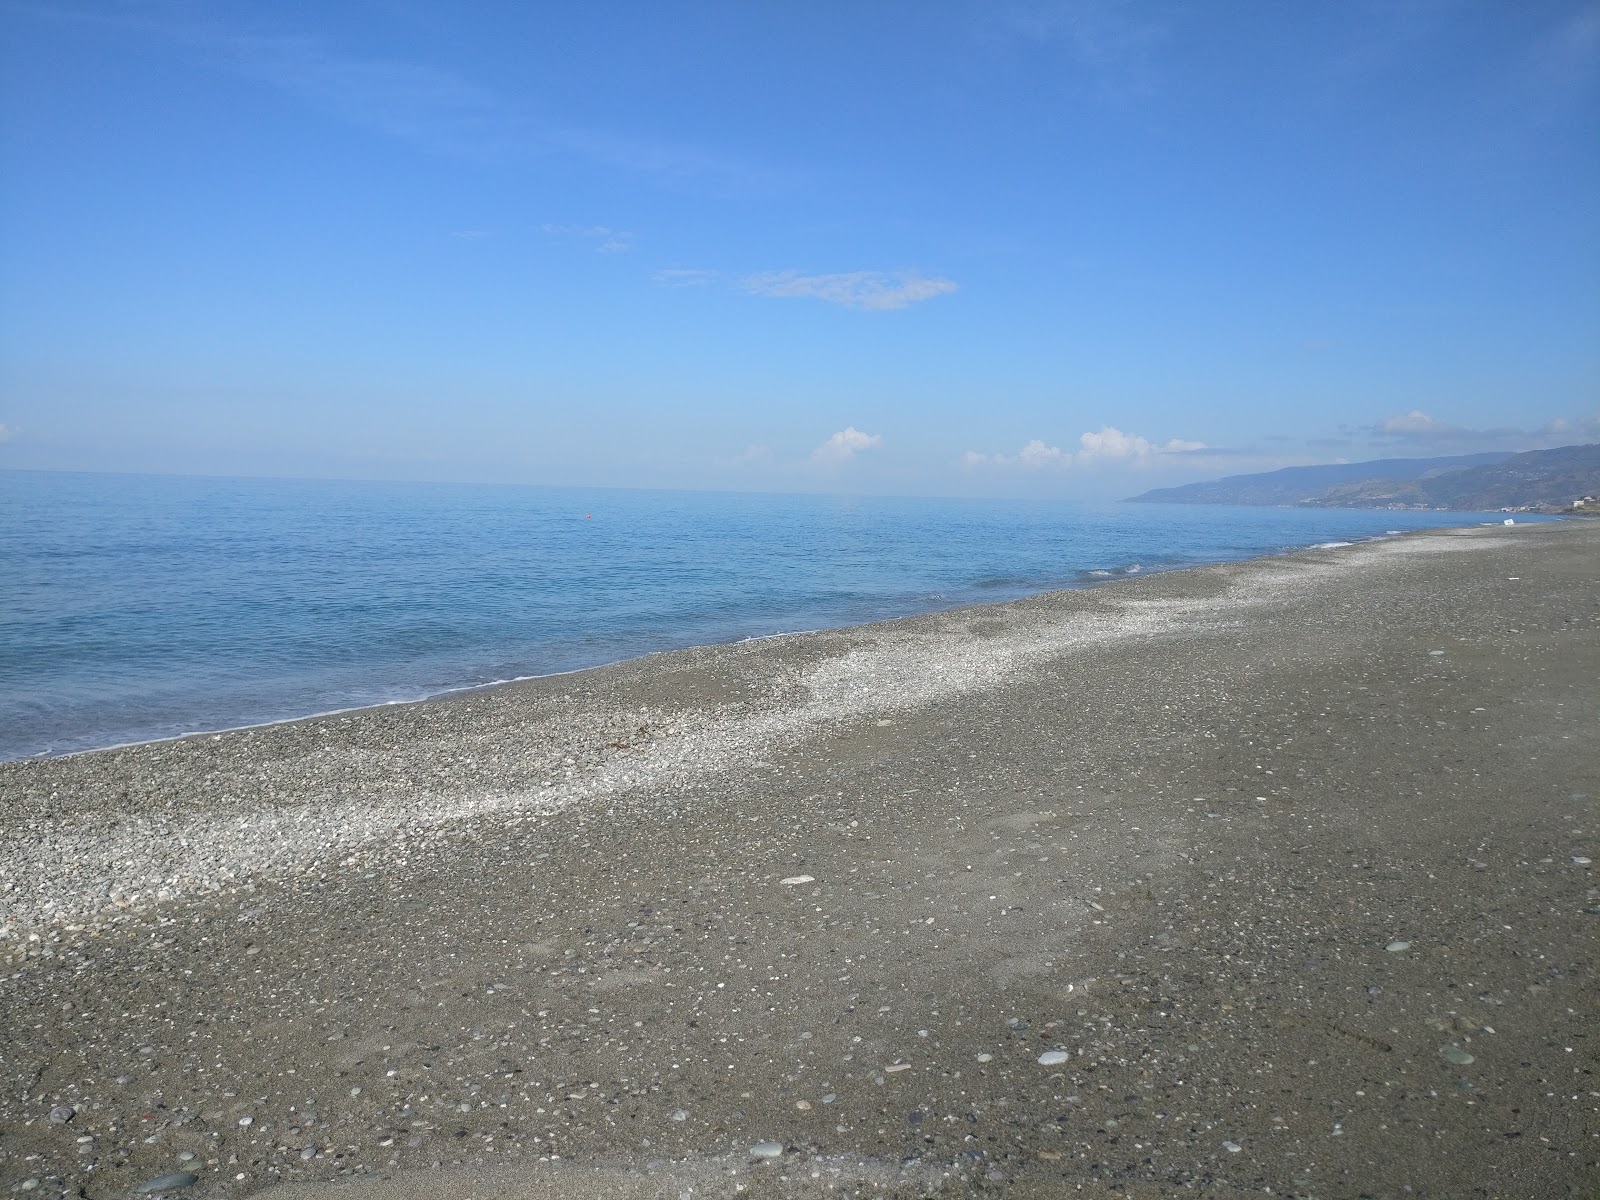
916, 247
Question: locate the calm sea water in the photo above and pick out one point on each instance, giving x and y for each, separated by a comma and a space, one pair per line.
138, 607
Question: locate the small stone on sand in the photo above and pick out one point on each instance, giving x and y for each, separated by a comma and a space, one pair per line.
167, 1183
1053, 1058
793, 880
1397, 947
767, 1150
1456, 1055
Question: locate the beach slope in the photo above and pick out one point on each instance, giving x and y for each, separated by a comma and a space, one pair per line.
1271, 877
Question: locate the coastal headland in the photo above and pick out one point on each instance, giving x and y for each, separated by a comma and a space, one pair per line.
1261, 878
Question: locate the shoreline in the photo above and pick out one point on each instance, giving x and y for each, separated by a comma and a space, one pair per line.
847, 892
138, 899
1089, 579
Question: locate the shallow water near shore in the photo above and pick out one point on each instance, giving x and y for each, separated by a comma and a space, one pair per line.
141, 607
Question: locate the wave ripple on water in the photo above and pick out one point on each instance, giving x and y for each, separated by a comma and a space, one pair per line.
138, 607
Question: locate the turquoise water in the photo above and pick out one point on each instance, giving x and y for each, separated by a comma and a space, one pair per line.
138, 607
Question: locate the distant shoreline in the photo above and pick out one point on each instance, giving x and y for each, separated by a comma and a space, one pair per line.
1536, 481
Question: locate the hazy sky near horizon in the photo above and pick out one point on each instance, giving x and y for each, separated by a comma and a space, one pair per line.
992, 248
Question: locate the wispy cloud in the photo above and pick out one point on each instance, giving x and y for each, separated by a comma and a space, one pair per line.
445, 113
1423, 429
845, 445
1107, 445
435, 109
1114, 42
414, 102
601, 238
669, 163
1564, 61
683, 277
876, 290
7, 432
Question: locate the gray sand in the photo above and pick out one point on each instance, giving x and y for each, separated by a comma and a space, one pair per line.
603, 934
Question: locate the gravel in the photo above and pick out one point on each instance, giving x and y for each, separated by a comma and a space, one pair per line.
606, 933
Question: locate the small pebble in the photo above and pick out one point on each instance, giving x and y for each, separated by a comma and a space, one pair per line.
767, 1150
680, 1115
1053, 1058
309, 1152
186, 1156
30, 1183
830, 1097
1581, 859
1232, 1147
167, 1183
985, 1058
1397, 947
1455, 1054
247, 1121
795, 880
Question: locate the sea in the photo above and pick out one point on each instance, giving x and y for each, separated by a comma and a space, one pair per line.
139, 607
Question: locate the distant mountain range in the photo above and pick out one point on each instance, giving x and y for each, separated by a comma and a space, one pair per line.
1550, 479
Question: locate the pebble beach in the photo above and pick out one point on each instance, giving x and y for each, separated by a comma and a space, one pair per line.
1270, 877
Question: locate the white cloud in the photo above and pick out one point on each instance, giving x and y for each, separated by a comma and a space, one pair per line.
1112, 443
1416, 424
603, 239
1108, 445
845, 445
7, 432
1036, 455
875, 290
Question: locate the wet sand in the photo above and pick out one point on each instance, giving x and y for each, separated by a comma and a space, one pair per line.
1288, 859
